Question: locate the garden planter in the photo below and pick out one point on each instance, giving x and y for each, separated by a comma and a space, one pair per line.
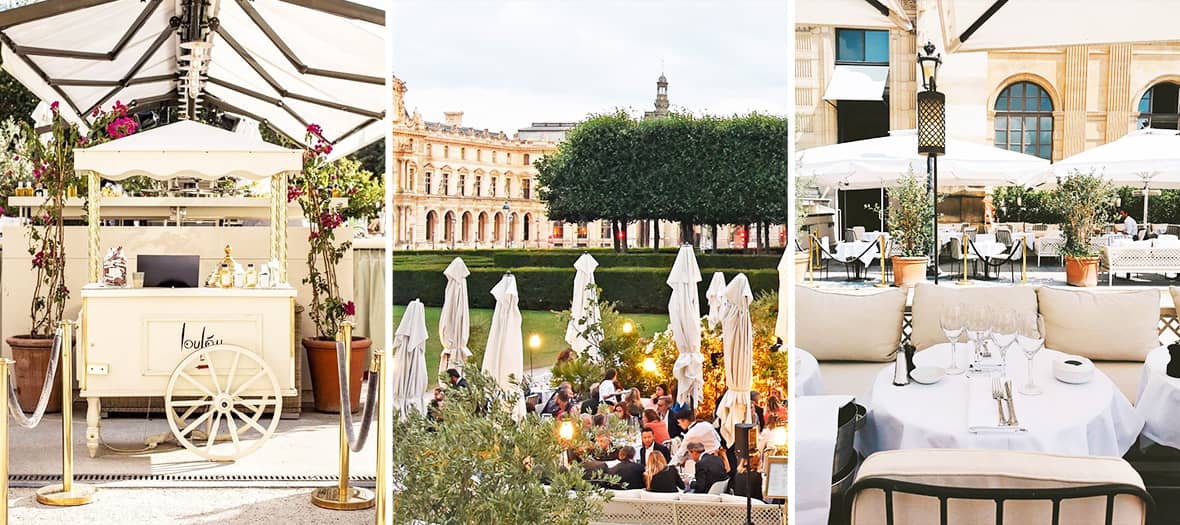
908, 271
1081, 271
801, 260
31, 355
325, 378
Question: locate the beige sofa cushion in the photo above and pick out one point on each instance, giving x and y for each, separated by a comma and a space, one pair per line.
842, 326
929, 300
996, 469
849, 377
1103, 325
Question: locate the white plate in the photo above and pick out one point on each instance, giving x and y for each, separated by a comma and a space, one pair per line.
928, 375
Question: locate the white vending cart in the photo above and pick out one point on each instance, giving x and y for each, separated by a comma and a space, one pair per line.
222, 357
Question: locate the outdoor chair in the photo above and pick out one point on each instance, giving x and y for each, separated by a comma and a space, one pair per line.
956, 249
859, 231
719, 487
1173, 229
853, 261
1011, 257
1049, 247
999, 487
970, 233
1004, 237
1040, 227
849, 235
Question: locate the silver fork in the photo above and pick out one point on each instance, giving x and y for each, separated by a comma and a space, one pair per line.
998, 395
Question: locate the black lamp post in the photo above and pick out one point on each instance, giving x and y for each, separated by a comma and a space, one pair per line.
931, 129
507, 223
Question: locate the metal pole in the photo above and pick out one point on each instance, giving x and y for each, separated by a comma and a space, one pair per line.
1023, 261
4, 364
67, 494
932, 167
383, 429
881, 249
343, 497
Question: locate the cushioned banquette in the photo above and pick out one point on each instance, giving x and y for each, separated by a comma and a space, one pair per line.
853, 334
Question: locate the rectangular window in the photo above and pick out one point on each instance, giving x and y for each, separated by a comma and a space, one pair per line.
526, 188
492, 188
862, 46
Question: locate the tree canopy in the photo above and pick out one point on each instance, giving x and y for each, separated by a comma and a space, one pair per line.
697, 170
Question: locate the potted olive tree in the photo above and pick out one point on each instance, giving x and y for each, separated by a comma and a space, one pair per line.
803, 238
49, 165
909, 217
314, 189
1081, 200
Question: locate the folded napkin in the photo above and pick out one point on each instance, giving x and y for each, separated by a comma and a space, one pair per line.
982, 413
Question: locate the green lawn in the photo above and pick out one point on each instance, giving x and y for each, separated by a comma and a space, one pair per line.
544, 323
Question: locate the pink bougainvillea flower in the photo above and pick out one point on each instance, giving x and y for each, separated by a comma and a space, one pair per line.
39, 259
294, 192
119, 108
55, 105
349, 308
121, 127
313, 236
315, 129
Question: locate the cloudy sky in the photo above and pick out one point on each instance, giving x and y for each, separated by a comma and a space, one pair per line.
506, 63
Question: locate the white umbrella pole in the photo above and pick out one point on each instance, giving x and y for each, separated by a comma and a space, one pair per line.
1146, 197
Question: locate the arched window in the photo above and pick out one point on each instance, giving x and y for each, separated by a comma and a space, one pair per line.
1160, 106
1024, 120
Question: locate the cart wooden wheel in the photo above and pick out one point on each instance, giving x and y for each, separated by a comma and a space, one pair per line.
223, 402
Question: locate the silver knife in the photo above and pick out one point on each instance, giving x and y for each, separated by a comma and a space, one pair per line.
1011, 406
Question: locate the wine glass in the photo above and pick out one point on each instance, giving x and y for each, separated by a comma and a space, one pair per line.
951, 320
978, 321
1003, 334
1031, 338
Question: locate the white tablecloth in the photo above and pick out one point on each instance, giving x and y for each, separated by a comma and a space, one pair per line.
1028, 238
813, 453
807, 377
1159, 400
1093, 419
847, 250
988, 248
873, 236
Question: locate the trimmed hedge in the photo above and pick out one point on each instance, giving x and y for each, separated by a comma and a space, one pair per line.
549, 288
644, 260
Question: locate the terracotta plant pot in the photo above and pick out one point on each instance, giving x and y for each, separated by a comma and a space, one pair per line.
1081, 271
908, 271
32, 359
801, 260
325, 376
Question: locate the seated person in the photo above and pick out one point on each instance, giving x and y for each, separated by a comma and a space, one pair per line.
603, 450
651, 420
629, 472
747, 478
709, 468
559, 404
651, 446
551, 404
696, 430
660, 476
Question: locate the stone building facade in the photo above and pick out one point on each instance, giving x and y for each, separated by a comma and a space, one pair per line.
1052, 102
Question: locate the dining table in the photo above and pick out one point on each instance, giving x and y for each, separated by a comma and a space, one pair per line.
1093, 418
1158, 400
807, 381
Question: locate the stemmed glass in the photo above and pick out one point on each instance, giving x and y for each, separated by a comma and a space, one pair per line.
951, 320
1031, 338
978, 322
1003, 334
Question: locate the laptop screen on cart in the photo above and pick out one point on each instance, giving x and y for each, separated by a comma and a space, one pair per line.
169, 271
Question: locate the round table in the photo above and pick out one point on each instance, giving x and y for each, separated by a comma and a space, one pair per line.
807, 377
1159, 395
1093, 419
849, 249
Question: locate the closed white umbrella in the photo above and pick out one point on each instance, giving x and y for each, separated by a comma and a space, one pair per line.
780, 323
737, 340
715, 297
504, 357
684, 316
584, 331
409, 360
454, 323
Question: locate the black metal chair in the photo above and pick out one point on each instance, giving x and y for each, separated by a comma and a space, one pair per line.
1004, 237
849, 235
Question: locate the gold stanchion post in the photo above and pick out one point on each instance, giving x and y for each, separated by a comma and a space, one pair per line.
964, 281
1023, 261
4, 364
68, 493
881, 249
383, 429
343, 497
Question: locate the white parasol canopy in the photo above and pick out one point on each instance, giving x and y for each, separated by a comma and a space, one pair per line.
780, 323
454, 323
584, 331
409, 361
880, 162
715, 296
287, 63
737, 339
684, 316
1148, 158
1073, 22
851, 13
504, 357
188, 149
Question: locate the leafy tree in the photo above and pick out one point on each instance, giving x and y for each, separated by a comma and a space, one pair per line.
16, 101
480, 466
